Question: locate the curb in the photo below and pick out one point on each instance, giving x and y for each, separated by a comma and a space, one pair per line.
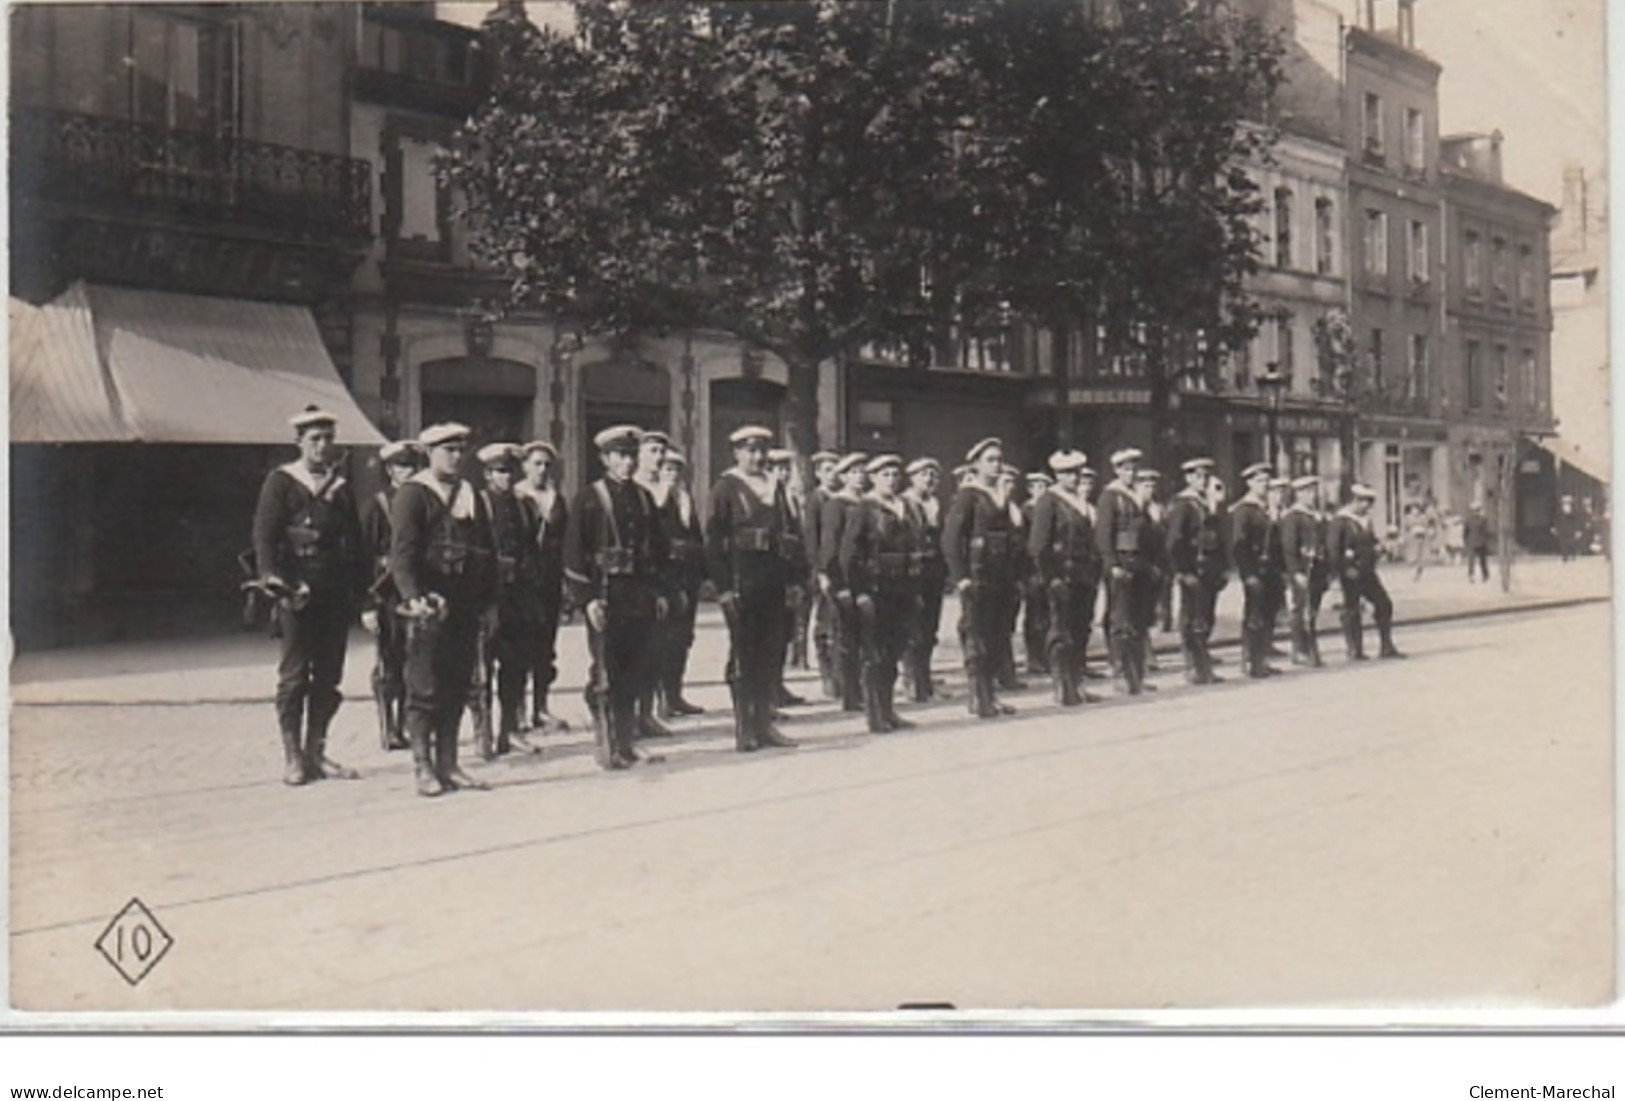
803, 676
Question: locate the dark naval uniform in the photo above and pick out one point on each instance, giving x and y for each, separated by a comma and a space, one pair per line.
1061, 544
879, 561
1250, 526
685, 534
823, 609
840, 511
1275, 580
1196, 558
1351, 550
978, 543
308, 535
442, 547
507, 658
549, 519
614, 551
1303, 549
931, 577
1035, 602
1130, 583
1148, 594
389, 665
745, 546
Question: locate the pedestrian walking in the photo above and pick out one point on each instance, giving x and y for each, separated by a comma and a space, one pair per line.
685, 534
1119, 535
442, 563
1250, 551
744, 542
309, 555
1066, 562
1351, 550
400, 460
840, 510
926, 509
878, 560
1476, 538
1303, 549
615, 553
508, 630
1196, 559
549, 519
978, 546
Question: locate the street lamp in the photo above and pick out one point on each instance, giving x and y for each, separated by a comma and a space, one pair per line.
1272, 384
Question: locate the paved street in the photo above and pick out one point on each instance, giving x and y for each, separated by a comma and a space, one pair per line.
1432, 831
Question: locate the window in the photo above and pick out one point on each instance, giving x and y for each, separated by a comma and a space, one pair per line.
1376, 243
1376, 359
1417, 252
183, 72
1373, 126
1498, 266
1501, 379
1415, 140
1284, 357
1475, 376
1473, 263
1325, 237
1420, 384
1283, 227
875, 414
1526, 275
1529, 383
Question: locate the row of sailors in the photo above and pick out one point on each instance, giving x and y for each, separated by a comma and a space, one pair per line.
465, 586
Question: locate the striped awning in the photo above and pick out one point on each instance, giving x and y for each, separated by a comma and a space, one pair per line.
109, 364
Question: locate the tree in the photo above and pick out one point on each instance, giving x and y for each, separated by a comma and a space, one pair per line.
816, 175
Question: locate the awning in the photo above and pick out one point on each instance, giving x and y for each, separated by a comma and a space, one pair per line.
173, 368
1570, 455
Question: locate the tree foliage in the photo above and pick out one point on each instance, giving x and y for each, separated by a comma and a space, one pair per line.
813, 174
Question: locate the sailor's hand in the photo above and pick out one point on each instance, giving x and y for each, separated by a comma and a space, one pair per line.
597, 614
661, 607
824, 585
369, 620
964, 586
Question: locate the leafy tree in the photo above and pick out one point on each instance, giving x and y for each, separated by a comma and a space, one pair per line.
815, 175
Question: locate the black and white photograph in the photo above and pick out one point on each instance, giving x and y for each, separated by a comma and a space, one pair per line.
635, 513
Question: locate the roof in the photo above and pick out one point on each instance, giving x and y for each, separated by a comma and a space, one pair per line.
105, 364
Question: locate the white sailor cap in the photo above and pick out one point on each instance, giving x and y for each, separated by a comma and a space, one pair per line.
499, 454
1086, 472
1147, 475
1363, 491
544, 446
982, 445
820, 457
1039, 477
620, 437
781, 456
1127, 455
674, 456
1006, 470
1253, 471
1191, 466
850, 462
400, 453
922, 464
1307, 481
884, 462
437, 435
1280, 483
1067, 459
750, 433
961, 470
310, 416
658, 437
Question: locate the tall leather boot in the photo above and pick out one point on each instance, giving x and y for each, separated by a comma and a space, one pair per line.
1144, 658
1204, 663
981, 702
1387, 649
850, 669
318, 766
874, 713
1063, 663
826, 669
1300, 643
1354, 636
744, 735
293, 760
1190, 653
648, 723
421, 736
1260, 666
1114, 658
767, 735
452, 776
888, 707
1312, 640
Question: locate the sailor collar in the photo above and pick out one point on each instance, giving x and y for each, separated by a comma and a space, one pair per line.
760, 485
459, 496
895, 506
1077, 501
300, 473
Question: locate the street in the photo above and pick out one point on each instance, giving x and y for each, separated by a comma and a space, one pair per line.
1436, 831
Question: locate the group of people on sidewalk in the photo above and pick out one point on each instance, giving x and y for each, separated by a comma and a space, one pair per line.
464, 585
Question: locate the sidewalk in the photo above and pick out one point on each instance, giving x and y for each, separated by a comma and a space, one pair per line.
240, 668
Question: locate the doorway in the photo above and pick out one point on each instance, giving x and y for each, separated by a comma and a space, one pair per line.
621, 391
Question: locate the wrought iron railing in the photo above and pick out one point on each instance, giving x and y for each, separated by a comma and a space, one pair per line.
117, 165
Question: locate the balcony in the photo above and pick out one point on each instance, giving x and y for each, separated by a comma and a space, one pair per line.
1398, 403
112, 166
